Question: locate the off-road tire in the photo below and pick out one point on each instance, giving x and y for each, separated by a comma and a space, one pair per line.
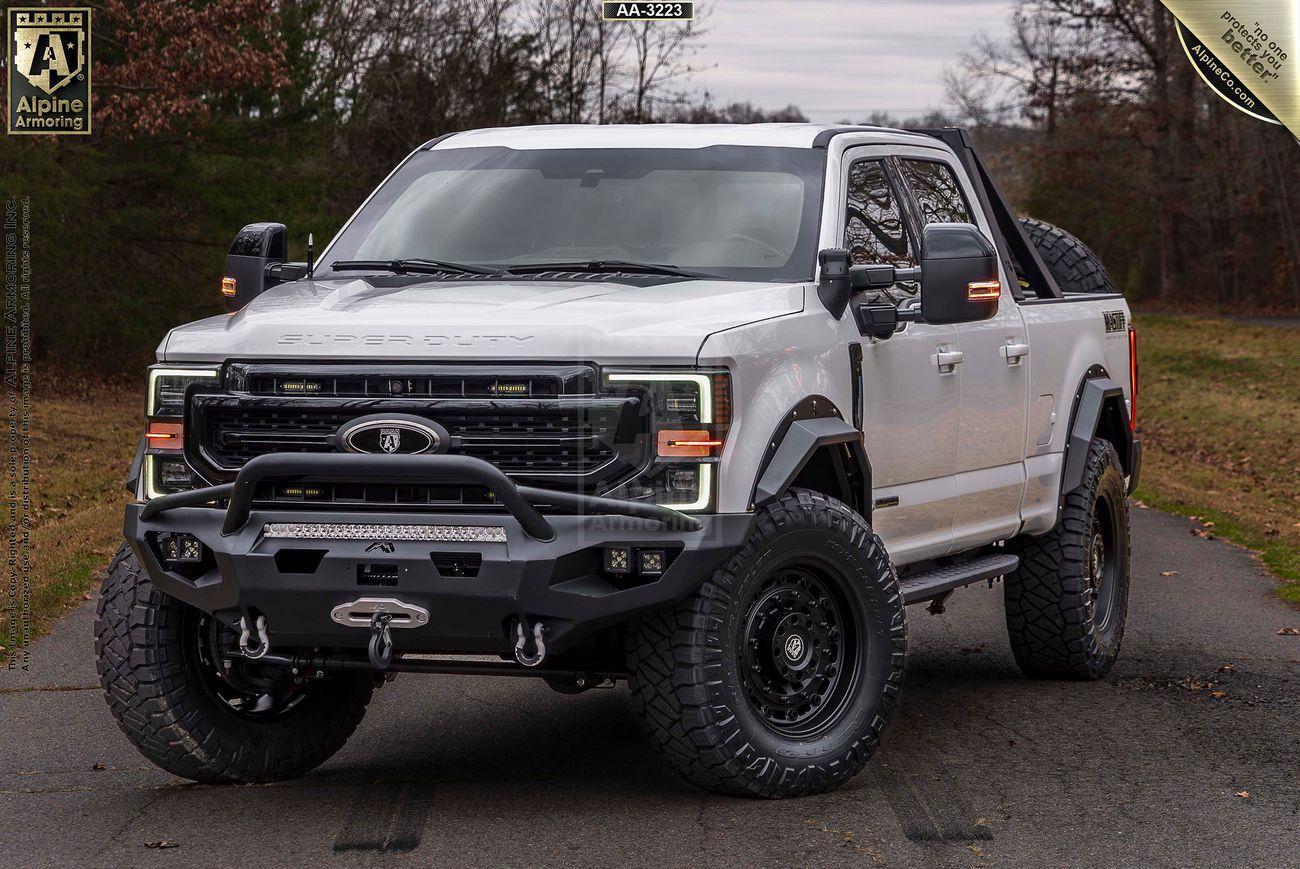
687, 688
1076, 268
164, 709
1056, 626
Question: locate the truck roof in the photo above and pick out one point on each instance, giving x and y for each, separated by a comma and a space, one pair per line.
664, 136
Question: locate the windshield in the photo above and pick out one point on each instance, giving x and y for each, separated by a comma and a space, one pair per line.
738, 212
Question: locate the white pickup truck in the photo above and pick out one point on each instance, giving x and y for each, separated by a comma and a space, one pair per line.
701, 408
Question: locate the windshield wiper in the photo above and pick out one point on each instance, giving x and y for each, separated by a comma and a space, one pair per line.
607, 265
411, 266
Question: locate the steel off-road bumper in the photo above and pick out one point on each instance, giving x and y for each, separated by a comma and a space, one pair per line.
295, 566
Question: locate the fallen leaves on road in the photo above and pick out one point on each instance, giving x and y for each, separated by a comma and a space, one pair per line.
1289, 632
972, 650
1217, 694
1245, 795
1227, 668
162, 843
98, 766
1202, 533
1168, 573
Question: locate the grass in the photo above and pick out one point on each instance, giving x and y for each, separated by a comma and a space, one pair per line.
1218, 413
1219, 418
81, 446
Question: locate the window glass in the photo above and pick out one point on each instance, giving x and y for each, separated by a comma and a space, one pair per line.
735, 212
873, 226
937, 192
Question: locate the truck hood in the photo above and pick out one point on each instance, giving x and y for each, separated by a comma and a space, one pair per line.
526, 319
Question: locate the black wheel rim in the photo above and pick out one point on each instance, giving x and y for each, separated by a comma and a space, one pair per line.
1103, 554
243, 688
800, 648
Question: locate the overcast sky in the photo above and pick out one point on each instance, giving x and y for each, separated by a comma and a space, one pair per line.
839, 59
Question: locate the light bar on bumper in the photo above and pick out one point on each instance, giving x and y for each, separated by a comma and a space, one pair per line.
689, 415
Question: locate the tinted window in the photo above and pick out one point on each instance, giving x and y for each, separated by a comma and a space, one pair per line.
873, 225
746, 213
937, 192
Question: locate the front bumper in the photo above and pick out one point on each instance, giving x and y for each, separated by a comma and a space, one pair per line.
549, 572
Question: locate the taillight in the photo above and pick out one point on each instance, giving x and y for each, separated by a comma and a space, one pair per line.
1132, 378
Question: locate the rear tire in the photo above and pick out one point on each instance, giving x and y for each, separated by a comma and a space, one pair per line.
1076, 268
1067, 601
777, 677
166, 690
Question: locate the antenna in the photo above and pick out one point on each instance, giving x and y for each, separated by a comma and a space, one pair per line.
311, 256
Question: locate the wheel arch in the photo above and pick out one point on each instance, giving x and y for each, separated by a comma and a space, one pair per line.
814, 447
1100, 411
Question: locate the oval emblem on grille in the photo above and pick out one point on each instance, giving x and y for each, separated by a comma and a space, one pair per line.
392, 433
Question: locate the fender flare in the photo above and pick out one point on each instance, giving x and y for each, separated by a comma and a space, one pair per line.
1096, 394
812, 424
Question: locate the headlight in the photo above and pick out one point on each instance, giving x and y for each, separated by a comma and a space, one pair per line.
165, 469
166, 396
689, 414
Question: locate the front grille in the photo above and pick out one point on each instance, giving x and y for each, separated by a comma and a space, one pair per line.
572, 440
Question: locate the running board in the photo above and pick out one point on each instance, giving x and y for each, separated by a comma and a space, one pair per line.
940, 582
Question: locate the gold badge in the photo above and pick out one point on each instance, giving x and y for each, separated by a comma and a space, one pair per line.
1246, 51
49, 71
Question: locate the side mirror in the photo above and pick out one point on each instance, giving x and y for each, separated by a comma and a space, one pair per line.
835, 287
876, 321
256, 247
959, 274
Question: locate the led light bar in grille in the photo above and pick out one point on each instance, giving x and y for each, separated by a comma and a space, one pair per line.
416, 533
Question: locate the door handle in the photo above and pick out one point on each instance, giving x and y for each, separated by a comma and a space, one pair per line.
947, 360
1013, 353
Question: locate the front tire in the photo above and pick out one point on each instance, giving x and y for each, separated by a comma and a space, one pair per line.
1067, 601
777, 677
181, 709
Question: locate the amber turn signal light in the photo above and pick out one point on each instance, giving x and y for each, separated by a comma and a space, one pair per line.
228, 287
983, 291
165, 436
687, 443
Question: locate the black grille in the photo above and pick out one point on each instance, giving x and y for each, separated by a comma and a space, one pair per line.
566, 441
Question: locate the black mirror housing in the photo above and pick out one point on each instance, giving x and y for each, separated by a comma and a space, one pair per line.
959, 274
876, 321
874, 277
835, 285
256, 247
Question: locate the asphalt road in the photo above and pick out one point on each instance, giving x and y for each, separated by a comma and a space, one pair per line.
983, 767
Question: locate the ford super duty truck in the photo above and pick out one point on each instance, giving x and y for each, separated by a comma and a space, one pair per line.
698, 408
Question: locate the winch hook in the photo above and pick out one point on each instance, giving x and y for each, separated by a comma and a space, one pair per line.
381, 641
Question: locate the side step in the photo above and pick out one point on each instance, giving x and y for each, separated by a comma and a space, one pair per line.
940, 582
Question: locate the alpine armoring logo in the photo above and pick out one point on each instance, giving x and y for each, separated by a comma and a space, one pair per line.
49, 71
392, 433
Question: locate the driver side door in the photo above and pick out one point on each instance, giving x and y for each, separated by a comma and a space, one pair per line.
911, 411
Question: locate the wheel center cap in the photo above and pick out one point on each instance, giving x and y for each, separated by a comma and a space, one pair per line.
794, 646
